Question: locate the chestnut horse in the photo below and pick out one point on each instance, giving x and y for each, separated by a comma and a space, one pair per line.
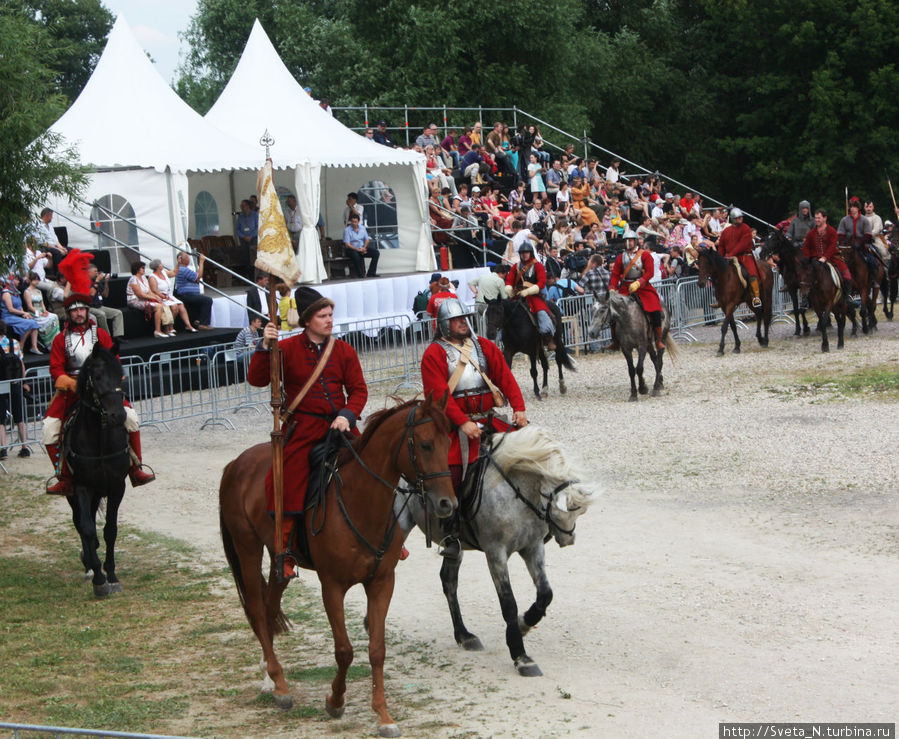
729, 292
867, 278
351, 535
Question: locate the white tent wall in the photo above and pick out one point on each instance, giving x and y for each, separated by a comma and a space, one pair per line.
217, 184
147, 192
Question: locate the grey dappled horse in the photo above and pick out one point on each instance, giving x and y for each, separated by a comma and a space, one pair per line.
634, 333
530, 494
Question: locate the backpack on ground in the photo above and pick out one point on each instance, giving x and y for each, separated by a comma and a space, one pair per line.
420, 302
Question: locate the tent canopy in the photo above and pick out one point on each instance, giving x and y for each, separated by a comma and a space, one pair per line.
263, 95
128, 116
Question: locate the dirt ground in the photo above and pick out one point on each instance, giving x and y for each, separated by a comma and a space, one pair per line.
740, 563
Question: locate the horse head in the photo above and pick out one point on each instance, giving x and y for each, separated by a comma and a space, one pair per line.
566, 502
601, 316
805, 272
494, 316
425, 464
100, 386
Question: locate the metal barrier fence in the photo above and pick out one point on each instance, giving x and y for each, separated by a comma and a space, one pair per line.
209, 383
28, 730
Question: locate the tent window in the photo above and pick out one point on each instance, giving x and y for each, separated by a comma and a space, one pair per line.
378, 202
110, 219
206, 215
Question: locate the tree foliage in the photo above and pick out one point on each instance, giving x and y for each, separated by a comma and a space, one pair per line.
33, 162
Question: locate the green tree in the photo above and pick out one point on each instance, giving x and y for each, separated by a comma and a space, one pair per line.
34, 164
78, 29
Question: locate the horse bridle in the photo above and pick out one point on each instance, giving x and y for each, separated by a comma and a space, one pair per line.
92, 399
417, 487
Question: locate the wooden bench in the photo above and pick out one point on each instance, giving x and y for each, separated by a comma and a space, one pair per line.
336, 262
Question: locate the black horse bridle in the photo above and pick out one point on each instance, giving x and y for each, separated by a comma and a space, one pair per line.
90, 399
417, 487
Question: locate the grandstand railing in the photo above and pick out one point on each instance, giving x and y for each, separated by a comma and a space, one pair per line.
410, 129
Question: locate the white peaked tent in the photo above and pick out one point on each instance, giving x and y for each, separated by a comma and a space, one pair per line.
330, 159
140, 140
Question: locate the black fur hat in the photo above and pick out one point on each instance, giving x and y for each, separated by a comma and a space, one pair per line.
309, 302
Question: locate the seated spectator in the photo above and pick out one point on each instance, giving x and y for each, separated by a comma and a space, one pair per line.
635, 200
37, 261
248, 336
187, 290
358, 247
517, 196
47, 239
562, 238
471, 163
161, 284
139, 296
382, 135
563, 200
104, 315
464, 142
33, 299
619, 222
476, 134
515, 214
651, 235
14, 315
581, 202
537, 146
428, 137
449, 146
13, 402
613, 172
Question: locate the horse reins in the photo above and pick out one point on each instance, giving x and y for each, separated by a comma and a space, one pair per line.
416, 488
91, 402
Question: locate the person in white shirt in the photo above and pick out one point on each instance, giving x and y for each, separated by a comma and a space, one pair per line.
612, 173
352, 206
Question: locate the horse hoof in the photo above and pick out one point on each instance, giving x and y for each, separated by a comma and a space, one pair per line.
389, 730
632, 399
736, 350
471, 644
101, 591
643, 390
655, 392
284, 701
563, 389
115, 587
719, 353
334, 712
527, 667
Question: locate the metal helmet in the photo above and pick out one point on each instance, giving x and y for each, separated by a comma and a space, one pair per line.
736, 213
453, 308
629, 234
526, 245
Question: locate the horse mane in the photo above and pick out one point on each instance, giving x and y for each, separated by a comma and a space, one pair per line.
98, 354
715, 258
377, 419
532, 451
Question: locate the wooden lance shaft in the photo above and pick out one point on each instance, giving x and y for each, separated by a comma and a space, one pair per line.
895, 207
277, 435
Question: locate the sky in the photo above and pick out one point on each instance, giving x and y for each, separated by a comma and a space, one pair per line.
156, 23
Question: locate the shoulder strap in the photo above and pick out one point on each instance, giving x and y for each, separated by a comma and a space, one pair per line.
316, 373
465, 357
631, 263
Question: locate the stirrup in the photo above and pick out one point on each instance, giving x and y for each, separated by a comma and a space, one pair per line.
62, 486
287, 565
756, 303
138, 477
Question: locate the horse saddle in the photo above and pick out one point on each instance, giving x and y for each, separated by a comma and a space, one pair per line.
835, 276
323, 465
742, 272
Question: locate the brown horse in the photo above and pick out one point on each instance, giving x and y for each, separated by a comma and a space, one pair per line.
351, 535
825, 297
866, 281
730, 292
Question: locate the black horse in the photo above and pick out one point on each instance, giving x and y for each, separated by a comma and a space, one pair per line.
520, 335
95, 445
826, 295
778, 245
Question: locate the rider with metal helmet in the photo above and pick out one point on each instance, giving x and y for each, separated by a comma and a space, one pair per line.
475, 374
525, 280
631, 275
736, 241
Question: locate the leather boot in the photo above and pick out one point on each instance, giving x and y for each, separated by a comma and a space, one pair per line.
614, 346
754, 287
289, 562
136, 474
660, 342
549, 342
63, 484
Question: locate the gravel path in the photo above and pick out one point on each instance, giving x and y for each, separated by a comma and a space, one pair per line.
740, 564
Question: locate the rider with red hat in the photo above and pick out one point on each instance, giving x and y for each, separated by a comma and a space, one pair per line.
736, 241
71, 347
525, 280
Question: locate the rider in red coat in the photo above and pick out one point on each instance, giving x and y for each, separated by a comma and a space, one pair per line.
335, 400
525, 280
631, 275
70, 348
736, 241
470, 394
821, 244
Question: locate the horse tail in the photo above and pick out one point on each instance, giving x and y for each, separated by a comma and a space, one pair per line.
563, 357
671, 346
281, 624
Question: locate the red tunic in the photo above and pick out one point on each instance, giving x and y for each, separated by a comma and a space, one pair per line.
736, 241
535, 302
436, 299
817, 245
63, 400
647, 294
341, 387
435, 380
